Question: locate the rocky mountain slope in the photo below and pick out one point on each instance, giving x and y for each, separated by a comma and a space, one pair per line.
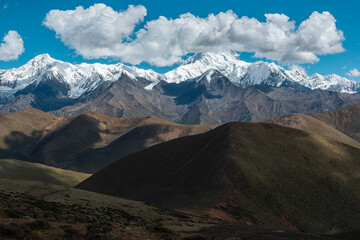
192, 102
255, 173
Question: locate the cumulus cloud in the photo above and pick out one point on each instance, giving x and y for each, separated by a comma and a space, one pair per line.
95, 32
12, 46
100, 32
354, 73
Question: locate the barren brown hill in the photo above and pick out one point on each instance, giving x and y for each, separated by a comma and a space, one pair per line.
20, 131
80, 143
92, 141
15, 169
346, 120
309, 123
258, 173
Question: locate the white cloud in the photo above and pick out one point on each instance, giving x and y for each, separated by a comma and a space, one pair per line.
353, 73
12, 46
97, 31
100, 32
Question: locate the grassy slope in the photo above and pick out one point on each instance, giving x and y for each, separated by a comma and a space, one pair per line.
257, 173
309, 123
15, 169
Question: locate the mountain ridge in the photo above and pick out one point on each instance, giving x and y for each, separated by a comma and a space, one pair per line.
82, 78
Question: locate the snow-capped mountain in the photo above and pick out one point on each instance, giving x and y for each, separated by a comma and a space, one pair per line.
84, 78
229, 64
330, 82
79, 78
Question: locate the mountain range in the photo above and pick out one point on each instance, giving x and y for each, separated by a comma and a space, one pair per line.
210, 88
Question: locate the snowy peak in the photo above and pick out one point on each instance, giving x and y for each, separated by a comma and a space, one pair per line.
37, 62
210, 58
42, 59
196, 65
31, 68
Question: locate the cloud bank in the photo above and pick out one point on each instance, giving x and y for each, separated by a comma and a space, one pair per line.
101, 32
12, 46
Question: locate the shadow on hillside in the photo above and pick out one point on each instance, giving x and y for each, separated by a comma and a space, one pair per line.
75, 146
131, 142
58, 149
72, 147
18, 145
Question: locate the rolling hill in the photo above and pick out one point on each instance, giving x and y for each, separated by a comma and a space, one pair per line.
83, 143
309, 123
80, 143
254, 173
15, 169
346, 120
20, 131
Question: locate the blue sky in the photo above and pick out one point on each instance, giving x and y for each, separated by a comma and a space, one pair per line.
26, 18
